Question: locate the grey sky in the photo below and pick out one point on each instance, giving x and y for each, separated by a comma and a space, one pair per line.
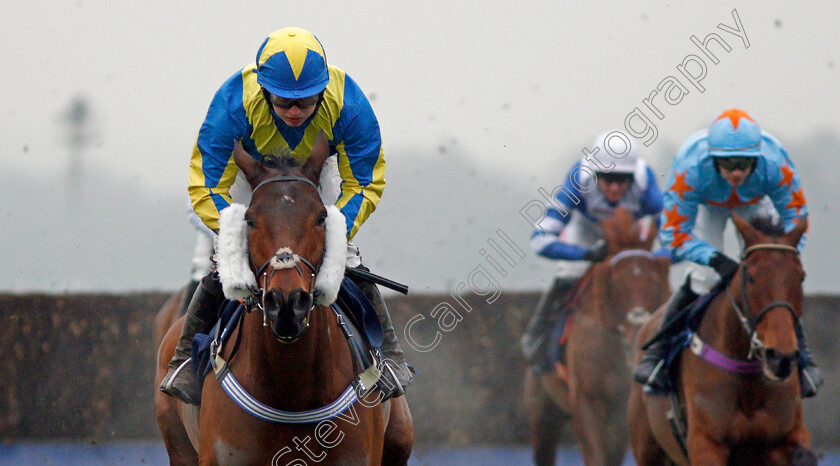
509, 92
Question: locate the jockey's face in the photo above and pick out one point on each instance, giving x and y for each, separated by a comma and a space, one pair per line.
735, 173
293, 112
614, 187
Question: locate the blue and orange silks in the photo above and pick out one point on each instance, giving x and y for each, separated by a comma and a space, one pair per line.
694, 180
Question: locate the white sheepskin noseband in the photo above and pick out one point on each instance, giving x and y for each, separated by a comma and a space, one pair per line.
232, 262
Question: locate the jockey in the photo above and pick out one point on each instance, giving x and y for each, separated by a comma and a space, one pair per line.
570, 233
732, 167
277, 105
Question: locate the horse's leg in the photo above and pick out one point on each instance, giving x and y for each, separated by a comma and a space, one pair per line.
643, 442
646, 449
796, 451
703, 451
545, 419
399, 434
178, 445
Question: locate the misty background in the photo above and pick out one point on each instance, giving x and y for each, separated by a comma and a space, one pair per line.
479, 104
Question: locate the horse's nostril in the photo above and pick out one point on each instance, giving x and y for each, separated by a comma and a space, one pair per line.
781, 364
300, 300
274, 300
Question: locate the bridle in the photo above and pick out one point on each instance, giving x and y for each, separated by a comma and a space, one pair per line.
636, 316
284, 258
748, 321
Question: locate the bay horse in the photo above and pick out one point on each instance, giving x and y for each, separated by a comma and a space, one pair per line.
168, 314
293, 358
737, 382
613, 299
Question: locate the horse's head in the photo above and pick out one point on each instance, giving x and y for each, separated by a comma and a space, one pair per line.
286, 231
636, 281
766, 292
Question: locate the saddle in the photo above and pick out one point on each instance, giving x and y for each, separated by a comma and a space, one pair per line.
677, 333
355, 314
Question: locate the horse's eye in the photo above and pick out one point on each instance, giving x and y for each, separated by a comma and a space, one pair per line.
802, 280
249, 221
322, 219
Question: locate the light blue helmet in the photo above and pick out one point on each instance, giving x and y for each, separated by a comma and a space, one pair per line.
734, 134
291, 63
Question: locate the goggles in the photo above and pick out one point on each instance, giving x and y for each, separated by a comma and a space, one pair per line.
285, 104
615, 178
735, 163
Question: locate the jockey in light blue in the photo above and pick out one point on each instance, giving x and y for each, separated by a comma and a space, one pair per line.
609, 177
733, 166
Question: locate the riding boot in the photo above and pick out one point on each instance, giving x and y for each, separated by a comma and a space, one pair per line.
650, 371
538, 333
187, 298
202, 313
810, 376
396, 374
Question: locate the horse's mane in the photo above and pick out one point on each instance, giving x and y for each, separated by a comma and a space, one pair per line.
622, 231
283, 163
767, 226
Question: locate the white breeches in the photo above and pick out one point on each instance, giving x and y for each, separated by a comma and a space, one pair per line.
709, 226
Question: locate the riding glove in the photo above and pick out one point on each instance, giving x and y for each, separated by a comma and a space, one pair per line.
597, 253
723, 265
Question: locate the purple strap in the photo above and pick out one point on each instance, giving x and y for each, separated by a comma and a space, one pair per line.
716, 358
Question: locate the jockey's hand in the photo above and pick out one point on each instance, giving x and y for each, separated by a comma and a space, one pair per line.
598, 252
723, 265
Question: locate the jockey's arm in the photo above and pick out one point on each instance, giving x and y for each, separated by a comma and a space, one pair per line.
652, 199
786, 193
361, 162
678, 216
212, 168
545, 240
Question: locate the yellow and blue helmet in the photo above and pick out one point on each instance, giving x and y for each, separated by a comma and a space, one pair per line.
734, 134
291, 63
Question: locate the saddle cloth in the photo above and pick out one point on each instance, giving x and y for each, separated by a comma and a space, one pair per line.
682, 338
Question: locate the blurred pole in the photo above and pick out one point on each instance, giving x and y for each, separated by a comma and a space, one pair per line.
77, 121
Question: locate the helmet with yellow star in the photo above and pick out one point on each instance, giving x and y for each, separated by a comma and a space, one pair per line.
291, 63
734, 134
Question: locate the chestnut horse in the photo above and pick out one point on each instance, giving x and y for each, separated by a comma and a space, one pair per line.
737, 410
292, 358
168, 314
615, 297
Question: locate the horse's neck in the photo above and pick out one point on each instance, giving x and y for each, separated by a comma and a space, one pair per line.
311, 371
597, 300
721, 328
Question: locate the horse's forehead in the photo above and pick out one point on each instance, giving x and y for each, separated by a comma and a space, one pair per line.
282, 195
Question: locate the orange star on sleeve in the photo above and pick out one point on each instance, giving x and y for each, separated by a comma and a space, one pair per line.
787, 175
680, 186
674, 219
680, 237
797, 201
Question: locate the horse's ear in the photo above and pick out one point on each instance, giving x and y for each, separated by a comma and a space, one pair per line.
320, 151
652, 234
793, 236
750, 234
250, 167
